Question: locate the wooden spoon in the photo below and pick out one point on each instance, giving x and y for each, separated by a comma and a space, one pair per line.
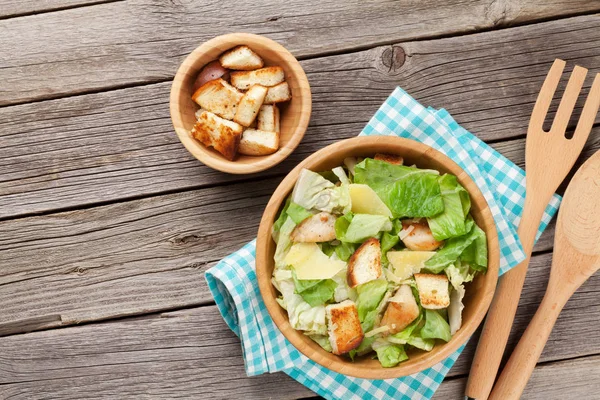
576, 258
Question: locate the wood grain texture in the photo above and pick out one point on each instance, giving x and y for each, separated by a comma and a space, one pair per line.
124, 43
555, 381
191, 354
63, 153
149, 255
17, 8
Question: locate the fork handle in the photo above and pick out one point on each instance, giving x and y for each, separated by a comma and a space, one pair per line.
521, 364
501, 314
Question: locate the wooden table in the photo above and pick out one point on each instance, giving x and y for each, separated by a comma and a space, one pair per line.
107, 223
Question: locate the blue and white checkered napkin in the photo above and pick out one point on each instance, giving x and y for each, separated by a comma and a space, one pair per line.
233, 280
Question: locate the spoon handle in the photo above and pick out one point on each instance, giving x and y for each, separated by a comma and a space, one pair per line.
514, 377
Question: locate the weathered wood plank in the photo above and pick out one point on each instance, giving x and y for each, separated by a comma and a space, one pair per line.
15, 8
149, 255
188, 353
126, 43
575, 379
120, 144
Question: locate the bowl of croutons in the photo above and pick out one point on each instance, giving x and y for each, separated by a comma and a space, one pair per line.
240, 103
367, 267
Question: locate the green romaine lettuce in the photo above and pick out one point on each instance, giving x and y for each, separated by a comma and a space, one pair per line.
451, 222
322, 341
476, 254
345, 250
406, 191
364, 347
404, 335
369, 295
455, 247
435, 327
302, 316
284, 243
327, 248
420, 343
355, 228
315, 292
280, 220
388, 241
297, 213
391, 355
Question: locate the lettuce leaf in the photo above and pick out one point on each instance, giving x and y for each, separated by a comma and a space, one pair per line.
364, 347
420, 343
345, 250
407, 191
455, 247
369, 295
327, 248
459, 273
355, 228
451, 222
313, 192
404, 335
435, 327
476, 254
391, 355
315, 292
284, 243
302, 316
280, 220
322, 341
297, 213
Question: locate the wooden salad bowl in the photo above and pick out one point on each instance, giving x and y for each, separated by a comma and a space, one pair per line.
479, 293
294, 114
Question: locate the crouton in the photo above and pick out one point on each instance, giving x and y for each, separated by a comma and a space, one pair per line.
278, 93
268, 118
247, 108
269, 76
318, 228
389, 158
241, 58
218, 97
433, 291
258, 143
417, 236
199, 112
219, 133
402, 309
343, 325
365, 264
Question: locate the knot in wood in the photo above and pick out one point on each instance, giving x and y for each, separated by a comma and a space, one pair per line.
392, 59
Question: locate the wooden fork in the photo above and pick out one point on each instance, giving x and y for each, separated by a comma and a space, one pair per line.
549, 156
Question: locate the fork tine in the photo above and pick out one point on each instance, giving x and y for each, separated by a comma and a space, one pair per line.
540, 109
588, 115
567, 103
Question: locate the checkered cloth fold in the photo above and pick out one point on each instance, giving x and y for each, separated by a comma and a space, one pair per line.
233, 280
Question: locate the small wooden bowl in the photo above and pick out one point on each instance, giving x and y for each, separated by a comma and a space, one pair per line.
479, 293
295, 114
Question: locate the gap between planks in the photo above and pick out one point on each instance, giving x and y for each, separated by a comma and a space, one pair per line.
151, 23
